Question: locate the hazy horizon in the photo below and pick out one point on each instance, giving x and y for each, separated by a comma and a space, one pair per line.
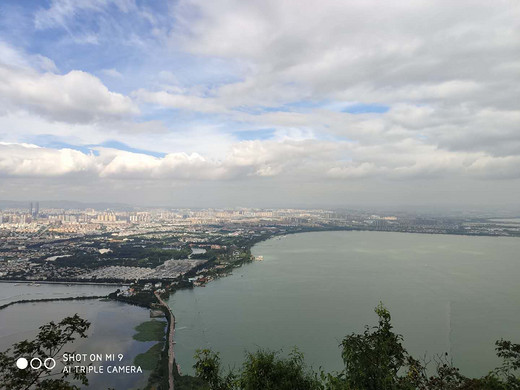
398, 209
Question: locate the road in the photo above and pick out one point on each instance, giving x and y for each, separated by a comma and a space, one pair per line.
171, 343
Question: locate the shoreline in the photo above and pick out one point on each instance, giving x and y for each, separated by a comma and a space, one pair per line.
170, 334
278, 236
274, 235
350, 229
80, 298
29, 282
168, 331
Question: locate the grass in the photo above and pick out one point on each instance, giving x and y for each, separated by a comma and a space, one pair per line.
148, 360
150, 331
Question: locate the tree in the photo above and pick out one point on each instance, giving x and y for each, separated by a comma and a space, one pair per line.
266, 370
374, 360
48, 344
377, 360
260, 370
207, 367
510, 353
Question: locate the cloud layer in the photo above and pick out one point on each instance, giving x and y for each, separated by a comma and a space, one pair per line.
345, 95
306, 159
75, 97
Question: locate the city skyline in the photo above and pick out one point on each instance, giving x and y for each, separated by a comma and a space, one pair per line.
272, 104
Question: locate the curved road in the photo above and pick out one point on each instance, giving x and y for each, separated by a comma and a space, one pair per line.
171, 353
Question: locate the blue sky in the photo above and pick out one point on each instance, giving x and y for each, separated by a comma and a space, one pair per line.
126, 45
184, 92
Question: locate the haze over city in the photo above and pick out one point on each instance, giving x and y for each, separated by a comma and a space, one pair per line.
261, 104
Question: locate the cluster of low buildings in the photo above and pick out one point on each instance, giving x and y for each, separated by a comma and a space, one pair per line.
120, 273
25, 269
169, 270
34, 242
172, 269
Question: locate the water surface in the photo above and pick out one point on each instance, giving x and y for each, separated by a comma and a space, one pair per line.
453, 294
10, 292
111, 332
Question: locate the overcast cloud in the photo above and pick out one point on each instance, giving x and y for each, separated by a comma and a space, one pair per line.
268, 103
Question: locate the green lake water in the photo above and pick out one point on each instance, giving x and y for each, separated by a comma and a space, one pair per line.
452, 294
111, 330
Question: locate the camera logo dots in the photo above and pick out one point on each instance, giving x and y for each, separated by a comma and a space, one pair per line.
49, 363
22, 363
36, 363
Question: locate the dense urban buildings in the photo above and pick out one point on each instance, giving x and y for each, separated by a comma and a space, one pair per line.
91, 245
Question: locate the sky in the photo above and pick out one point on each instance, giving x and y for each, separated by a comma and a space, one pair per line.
268, 103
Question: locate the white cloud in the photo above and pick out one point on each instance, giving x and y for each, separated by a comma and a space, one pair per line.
300, 160
61, 12
76, 97
14, 58
114, 73
179, 101
179, 166
447, 71
497, 167
22, 160
245, 159
358, 50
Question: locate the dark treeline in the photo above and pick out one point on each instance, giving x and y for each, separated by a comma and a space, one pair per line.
53, 299
373, 360
124, 255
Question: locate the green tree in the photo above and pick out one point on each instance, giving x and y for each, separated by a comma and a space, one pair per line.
374, 360
49, 343
266, 370
510, 353
208, 368
260, 370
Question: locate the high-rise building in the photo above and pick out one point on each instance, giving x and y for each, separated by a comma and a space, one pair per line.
37, 209
31, 209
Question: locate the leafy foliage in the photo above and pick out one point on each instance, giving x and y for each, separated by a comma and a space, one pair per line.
510, 353
49, 343
208, 368
374, 360
261, 370
265, 370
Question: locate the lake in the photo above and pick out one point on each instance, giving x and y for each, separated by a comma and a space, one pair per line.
111, 330
10, 292
454, 294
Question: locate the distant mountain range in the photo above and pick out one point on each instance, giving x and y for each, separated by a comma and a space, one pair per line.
65, 204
